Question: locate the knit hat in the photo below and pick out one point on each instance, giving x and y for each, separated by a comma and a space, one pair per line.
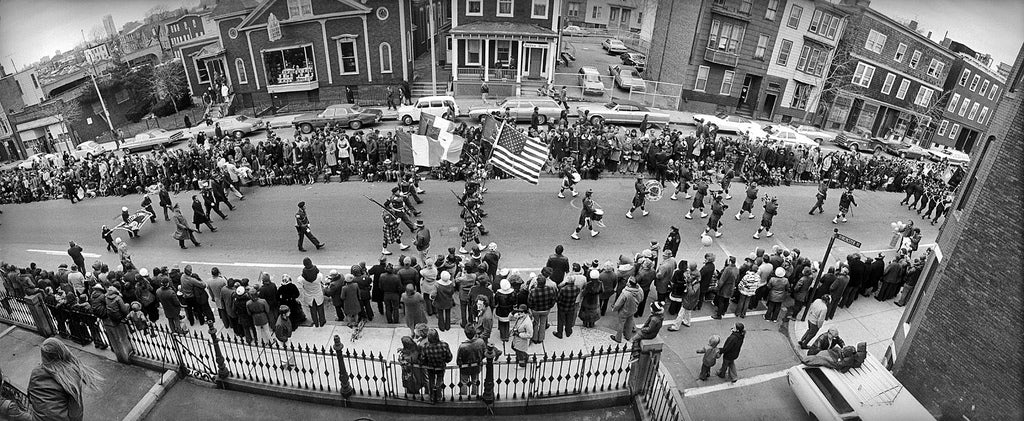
283, 308
780, 272
594, 274
522, 308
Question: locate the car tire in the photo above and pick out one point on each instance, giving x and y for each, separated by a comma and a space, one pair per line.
355, 124
903, 155
855, 147
596, 120
481, 118
306, 128
238, 134
407, 120
542, 119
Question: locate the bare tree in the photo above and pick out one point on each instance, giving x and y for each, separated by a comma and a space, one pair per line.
97, 34
926, 116
155, 12
70, 112
168, 82
837, 78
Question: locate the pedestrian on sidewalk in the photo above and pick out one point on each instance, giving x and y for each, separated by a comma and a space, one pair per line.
836, 290
428, 284
522, 332
625, 306
747, 288
484, 318
815, 318
312, 288
444, 301
435, 355
568, 291
391, 287
350, 306
172, 306
543, 295
690, 301
260, 311
333, 290
214, 288
288, 295
711, 353
726, 286
504, 302
56, 386
651, 327
484, 90
778, 285
283, 332
470, 357
730, 352
415, 308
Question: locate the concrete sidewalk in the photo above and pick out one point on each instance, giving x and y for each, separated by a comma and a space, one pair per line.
122, 386
867, 320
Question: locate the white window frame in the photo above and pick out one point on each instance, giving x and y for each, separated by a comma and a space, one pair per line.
300, 8
984, 88
479, 52
953, 132
795, 12
993, 93
533, 9
974, 82
965, 75
963, 107
942, 128
901, 52
762, 47
924, 96
935, 68
773, 9
904, 87
727, 79
875, 42
697, 86
974, 111
511, 8
866, 72
952, 103
890, 80
478, 2
243, 78
573, 10
341, 58
915, 59
785, 50
385, 59
984, 114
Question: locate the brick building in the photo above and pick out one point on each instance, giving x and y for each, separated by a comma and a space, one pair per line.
973, 91
893, 84
719, 51
282, 51
503, 42
808, 35
186, 27
958, 347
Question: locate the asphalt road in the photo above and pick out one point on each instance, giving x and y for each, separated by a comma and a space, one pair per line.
768, 400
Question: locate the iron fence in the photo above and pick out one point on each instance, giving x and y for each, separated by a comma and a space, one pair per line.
659, 397
14, 394
15, 310
79, 325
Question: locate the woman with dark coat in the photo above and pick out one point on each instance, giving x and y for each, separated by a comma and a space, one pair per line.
56, 386
288, 294
609, 280
591, 301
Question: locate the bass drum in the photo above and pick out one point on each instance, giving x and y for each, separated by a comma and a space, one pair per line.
576, 177
597, 217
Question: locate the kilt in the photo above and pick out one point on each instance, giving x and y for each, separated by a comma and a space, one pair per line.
469, 233
392, 233
584, 218
766, 222
639, 199
747, 205
698, 201
843, 210
714, 222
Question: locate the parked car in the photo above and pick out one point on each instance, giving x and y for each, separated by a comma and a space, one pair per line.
89, 149
590, 81
41, 159
436, 105
904, 149
622, 112
816, 133
731, 123
789, 137
152, 138
234, 125
859, 139
634, 59
868, 393
613, 46
521, 109
351, 115
938, 153
573, 31
629, 80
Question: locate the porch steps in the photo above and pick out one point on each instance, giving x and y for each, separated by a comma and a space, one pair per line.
421, 89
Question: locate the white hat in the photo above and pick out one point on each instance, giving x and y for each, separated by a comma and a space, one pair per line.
334, 272
594, 273
124, 209
143, 272
780, 272
240, 290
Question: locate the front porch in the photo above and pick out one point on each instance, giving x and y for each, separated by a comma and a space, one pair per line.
502, 54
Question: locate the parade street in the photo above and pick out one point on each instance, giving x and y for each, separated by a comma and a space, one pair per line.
525, 221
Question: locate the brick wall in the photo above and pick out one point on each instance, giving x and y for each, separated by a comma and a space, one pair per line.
963, 354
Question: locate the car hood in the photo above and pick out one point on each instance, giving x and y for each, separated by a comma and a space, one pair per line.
593, 84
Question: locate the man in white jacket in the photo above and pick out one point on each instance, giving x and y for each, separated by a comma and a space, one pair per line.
815, 318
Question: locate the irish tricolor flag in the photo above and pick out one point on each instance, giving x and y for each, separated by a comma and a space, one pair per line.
435, 142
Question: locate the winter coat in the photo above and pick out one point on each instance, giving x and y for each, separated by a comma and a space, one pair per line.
349, 297
727, 281
777, 289
259, 310
608, 282
333, 290
733, 344
391, 286
692, 297
893, 273
415, 309
749, 283
663, 277
628, 301
802, 288
169, 302
181, 227
522, 331
116, 308
444, 300
312, 292
49, 400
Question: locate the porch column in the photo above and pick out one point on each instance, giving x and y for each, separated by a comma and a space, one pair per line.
552, 52
519, 63
455, 58
487, 58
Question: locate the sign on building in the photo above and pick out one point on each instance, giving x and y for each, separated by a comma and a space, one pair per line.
273, 28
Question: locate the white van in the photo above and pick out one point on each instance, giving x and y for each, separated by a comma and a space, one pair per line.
436, 105
867, 393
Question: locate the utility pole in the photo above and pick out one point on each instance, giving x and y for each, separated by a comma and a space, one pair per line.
106, 114
431, 28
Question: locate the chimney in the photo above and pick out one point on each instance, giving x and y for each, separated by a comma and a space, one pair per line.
929, 34
3, 72
913, 25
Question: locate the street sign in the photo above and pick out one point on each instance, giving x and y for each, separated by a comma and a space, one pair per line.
897, 238
848, 240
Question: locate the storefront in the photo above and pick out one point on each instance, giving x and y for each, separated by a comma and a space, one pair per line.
293, 68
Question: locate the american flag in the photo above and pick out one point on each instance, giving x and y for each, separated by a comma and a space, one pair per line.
517, 154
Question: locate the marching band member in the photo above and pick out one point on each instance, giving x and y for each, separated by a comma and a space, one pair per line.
715, 221
683, 180
844, 205
771, 208
568, 180
748, 203
698, 199
820, 196
639, 198
392, 232
397, 206
472, 229
586, 216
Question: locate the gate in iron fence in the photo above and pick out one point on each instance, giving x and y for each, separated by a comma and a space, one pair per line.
192, 352
15, 310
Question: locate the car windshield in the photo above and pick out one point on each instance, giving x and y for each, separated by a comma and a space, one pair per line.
610, 105
591, 77
355, 108
241, 118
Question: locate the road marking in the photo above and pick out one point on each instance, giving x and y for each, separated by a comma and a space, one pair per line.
695, 391
60, 253
707, 318
523, 271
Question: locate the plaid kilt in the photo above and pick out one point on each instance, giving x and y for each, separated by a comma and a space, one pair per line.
392, 233
469, 233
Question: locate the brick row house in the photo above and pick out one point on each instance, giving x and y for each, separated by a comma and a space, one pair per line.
973, 94
719, 50
282, 51
893, 85
505, 42
809, 31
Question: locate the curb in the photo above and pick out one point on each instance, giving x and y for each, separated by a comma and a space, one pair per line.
149, 400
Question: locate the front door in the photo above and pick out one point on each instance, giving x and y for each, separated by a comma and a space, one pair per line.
769, 105
536, 61
744, 92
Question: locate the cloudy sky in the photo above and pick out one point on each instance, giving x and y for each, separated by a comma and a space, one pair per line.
30, 29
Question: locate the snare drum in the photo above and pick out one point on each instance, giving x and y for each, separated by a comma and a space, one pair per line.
598, 215
576, 177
